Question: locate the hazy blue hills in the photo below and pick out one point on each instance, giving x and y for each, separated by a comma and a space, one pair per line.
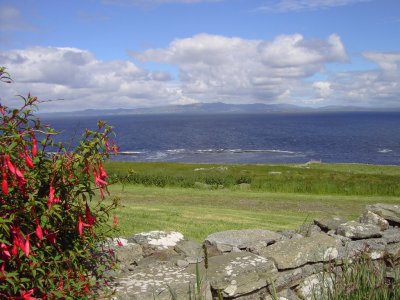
216, 108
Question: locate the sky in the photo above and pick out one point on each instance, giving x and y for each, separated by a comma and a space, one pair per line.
101, 54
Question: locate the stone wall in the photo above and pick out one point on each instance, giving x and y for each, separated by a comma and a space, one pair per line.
255, 264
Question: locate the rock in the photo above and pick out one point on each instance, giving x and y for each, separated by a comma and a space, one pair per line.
369, 217
355, 230
189, 249
389, 212
182, 263
155, 282
392, 235
308, 229
291, 234
316, 286
283, 295
329, 223
166, 256
156, 240
128, 254
393, 251
227, 241
374, 248
341, 240
290, 278
290, 254
236, 274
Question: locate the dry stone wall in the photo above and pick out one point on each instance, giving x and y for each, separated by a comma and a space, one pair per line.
255, 264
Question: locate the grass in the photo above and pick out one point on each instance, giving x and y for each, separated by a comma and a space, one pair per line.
197, 212
319, 179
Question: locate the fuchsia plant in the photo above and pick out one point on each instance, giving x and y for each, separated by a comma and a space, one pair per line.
50, 224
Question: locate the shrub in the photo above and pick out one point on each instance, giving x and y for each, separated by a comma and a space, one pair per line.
50, 228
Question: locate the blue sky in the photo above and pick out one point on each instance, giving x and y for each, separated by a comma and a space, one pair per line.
142, 53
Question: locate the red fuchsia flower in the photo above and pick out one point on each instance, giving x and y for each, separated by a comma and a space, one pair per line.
115, 148
90, 219
103, 173
26, 295
27, 246
2, 110
39, 231
115, 221
34, 145
28, 160
119, 243
52, 199
50, 236
5, 253
81, 225
4, 184
9, 164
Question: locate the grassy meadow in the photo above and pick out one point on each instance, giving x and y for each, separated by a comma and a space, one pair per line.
198, 199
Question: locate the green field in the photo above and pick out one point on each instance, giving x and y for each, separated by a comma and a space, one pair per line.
198, 199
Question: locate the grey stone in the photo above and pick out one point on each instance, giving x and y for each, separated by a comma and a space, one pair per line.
157, 239
368, 217
355, 230
290, 254
189, 249
237, 274
165, 256
316, 286
182, 263
283, 295
340, 239
387, 211
329, 223
393, 251
291, 278
155, 282
225, 241
194, 260
374, 248
309, 229
291, 234
392, 235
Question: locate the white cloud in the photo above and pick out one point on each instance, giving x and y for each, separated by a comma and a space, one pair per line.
304, 5
218, 68
323, 88
83, 81
211, 68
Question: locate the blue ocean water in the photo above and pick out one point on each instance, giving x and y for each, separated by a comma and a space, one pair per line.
363, 137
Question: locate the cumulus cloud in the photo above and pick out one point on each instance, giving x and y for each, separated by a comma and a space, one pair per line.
211, 68
378, 87
232, 69
83, 81
304, 5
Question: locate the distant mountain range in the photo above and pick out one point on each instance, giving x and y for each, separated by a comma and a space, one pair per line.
217, 108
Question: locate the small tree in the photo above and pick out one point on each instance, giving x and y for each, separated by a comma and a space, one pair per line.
50, 229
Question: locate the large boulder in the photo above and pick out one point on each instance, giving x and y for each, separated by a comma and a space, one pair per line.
392, 235
355, 230
155, 282
368, 217
236, 240
292, 254
316, 286
329, 223
374, 248
387, 211
238, 273
191, 250
291, 278
157, 239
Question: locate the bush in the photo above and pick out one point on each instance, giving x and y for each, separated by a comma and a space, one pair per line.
50, 228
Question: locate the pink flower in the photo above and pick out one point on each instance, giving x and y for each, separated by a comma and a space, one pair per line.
4, 184
39, 231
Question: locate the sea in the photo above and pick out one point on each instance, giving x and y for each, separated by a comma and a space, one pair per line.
356, 137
